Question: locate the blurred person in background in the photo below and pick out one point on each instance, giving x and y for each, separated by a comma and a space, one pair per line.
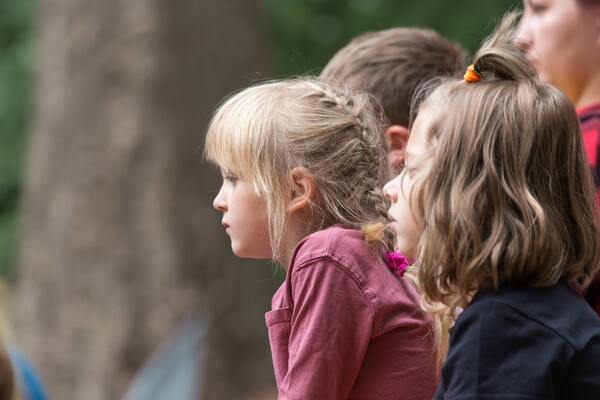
562, 40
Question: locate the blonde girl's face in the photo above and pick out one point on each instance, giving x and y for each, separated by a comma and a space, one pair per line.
403, 211
562, 41
244, 217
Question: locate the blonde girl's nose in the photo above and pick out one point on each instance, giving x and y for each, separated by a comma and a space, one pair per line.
219, 202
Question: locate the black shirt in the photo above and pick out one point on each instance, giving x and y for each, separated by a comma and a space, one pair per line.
524, 343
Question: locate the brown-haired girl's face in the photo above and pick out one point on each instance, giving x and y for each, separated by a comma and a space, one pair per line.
562, 41
404, 212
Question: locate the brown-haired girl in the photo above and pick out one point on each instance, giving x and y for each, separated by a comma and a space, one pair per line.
302, 164
497, 204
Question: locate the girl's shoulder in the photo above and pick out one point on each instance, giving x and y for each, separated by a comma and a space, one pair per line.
556, 308
341, 258
337, 232
339, 243
523, 331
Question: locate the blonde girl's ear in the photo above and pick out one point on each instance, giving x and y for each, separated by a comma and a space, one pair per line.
304, 189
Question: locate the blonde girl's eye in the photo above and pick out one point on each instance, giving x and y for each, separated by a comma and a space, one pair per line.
231, 178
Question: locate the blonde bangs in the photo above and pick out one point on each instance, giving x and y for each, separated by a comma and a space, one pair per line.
240, 137
245, 138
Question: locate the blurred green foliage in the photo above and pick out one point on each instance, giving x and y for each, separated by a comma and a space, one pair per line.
15, 81
304, 36
307, 33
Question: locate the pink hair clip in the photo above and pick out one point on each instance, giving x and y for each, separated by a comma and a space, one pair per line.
397, 262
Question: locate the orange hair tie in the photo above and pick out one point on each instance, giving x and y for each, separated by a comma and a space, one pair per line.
471, 75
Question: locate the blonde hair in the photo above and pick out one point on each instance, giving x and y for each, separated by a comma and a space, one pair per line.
263, 132
509, 197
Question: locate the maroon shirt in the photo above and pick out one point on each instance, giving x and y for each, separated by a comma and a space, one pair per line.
590, 127
343, 326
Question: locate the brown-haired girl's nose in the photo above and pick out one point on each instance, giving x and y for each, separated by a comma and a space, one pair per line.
390, 190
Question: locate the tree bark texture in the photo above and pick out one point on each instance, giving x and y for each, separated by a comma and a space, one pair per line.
119, 238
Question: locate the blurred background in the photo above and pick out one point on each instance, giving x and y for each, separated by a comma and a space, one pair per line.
110, 250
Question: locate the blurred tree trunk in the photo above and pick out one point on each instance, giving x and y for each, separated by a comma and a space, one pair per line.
120, 241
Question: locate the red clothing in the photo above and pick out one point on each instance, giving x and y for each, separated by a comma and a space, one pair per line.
590, 127
344, 327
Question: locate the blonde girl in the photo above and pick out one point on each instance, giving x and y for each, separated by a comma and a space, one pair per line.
498, 205
302, 163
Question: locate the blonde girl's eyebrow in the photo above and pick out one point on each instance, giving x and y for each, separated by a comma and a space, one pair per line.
225, 171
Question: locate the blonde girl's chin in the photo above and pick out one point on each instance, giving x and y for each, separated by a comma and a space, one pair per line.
251, 253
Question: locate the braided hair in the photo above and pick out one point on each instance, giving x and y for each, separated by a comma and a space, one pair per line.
333, 132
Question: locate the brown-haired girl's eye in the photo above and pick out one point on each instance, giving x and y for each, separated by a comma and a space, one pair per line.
409, 169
